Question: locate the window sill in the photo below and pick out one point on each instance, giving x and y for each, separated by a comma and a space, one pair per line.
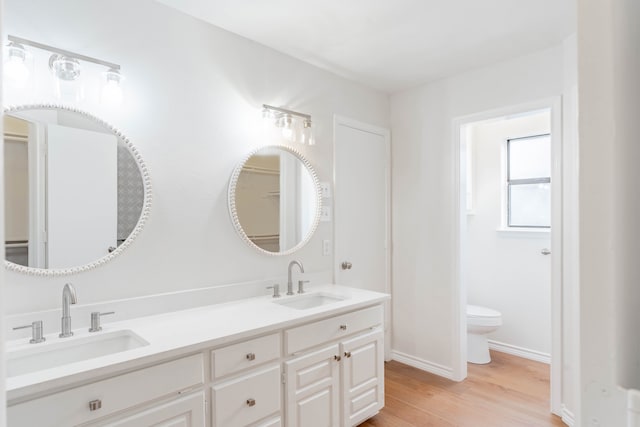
534, 233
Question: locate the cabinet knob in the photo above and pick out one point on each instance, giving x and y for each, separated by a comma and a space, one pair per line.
251, 356
347, 354
343, 327
337, 358
94, 405
251, 402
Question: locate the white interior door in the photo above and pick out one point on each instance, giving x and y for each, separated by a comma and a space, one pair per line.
362, 197
82, 191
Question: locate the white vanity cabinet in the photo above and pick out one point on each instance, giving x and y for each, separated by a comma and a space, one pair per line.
93, 402
339, 384
327, 371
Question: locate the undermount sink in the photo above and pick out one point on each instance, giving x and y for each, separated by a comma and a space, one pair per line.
304, 302
56, 353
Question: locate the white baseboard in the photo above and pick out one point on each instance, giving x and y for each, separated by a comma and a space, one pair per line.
567, 417
538, 356
422, 364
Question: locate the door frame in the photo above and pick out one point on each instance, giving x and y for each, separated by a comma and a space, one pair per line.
385, 133
459, 351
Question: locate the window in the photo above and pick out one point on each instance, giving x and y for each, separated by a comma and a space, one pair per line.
529, 181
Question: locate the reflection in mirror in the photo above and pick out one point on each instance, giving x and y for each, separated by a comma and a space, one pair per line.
275, 200
74, 192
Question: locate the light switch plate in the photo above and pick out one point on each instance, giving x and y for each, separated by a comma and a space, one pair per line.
326, 247
325, 190
325, 214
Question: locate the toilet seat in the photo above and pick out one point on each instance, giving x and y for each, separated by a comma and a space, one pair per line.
483, 316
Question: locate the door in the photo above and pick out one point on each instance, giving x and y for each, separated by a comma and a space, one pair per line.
362, 377
362, 206
186, 412
312, 384
82, 196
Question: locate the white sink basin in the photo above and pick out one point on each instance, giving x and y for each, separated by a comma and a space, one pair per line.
54, 353
304, 302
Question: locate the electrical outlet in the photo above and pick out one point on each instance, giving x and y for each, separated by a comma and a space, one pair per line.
325, 214
325, 190
326, 247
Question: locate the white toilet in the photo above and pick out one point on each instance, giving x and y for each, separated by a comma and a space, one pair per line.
480, 322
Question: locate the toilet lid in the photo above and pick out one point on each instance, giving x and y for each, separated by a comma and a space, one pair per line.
478, 311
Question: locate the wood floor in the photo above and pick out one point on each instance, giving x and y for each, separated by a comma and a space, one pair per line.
508, 392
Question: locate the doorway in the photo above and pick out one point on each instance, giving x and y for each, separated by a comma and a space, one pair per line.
540, 238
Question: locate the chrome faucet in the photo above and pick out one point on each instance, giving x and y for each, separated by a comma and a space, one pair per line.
289, 281
68, 298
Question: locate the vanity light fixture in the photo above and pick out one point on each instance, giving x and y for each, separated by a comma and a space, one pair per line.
294, 126
15, 65
66, 66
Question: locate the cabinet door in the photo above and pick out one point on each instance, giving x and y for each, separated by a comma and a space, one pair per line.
362, 377
185, 412
312, 383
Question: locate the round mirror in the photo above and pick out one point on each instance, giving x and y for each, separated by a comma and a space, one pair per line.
76, 190
274, 200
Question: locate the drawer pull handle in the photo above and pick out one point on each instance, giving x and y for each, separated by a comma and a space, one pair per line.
94, 405
347, 354
337, 358
343, 327
251, 356
251, 402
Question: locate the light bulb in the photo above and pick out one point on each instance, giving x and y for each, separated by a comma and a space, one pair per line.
307, 133
112, 88
286, 122
15, 67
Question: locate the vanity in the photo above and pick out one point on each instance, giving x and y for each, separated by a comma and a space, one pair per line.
311, 358
304, 360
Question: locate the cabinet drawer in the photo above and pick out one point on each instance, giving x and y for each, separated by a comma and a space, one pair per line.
272, 422
71, 407
185, 412
246, 354
317, 333
247, 399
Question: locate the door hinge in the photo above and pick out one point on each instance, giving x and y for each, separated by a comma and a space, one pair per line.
284, 378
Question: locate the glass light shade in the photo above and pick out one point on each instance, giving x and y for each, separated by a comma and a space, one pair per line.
288, 130
15, 67
64, 67
307, 133
112, 88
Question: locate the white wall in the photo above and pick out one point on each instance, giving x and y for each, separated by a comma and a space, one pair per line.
192, 106
608, 67
505, 269
626, 64
423, 202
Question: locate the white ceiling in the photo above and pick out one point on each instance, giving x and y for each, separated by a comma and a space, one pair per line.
393, 44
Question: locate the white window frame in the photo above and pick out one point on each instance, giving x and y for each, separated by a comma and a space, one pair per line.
507, 183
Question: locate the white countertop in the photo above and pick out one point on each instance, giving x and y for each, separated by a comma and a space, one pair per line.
179, 333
